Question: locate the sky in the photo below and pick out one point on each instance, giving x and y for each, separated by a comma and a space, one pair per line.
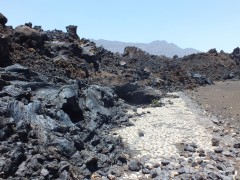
199, 24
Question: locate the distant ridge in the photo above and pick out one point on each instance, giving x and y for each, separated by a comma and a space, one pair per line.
155, 47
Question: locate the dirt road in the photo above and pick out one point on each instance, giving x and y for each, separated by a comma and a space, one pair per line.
221, 99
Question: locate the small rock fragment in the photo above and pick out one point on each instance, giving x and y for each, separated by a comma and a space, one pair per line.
218, 150
140, 133
215, 142
44, 172
134, 165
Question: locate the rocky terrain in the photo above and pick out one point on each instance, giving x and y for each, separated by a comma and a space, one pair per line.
61, 96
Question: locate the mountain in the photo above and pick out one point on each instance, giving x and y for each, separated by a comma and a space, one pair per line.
155, 47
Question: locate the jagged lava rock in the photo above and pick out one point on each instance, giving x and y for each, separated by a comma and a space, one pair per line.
3, 19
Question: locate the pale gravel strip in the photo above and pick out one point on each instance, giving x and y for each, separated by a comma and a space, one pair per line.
166, 126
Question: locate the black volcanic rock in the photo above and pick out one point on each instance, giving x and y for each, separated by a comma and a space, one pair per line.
72, 31
4, 50
134, 165
213, 51
26, 35
57, 122
236, 54
135, 94
3, 19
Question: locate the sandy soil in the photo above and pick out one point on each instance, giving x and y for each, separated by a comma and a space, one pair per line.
221, 99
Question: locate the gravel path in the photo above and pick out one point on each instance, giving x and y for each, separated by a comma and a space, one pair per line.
179, 141
158, 131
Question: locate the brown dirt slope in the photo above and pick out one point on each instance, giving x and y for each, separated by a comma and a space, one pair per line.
221, 99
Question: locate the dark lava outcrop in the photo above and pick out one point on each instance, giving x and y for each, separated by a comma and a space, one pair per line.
4, 41
52, 128
25, 34
4, 50
3, 20
65, 55
136, 94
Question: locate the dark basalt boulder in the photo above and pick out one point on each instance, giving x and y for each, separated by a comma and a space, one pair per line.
213, 51
64, 146
202, 80
65, 99
130, 50
26, 35
4, 50
62, 50
236, 54
72, 31
3, 20
17, 68
29, 24
98, 101
230, 75
38, 28
16, 157
91, 54
134, 165
136, 94
134, 53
